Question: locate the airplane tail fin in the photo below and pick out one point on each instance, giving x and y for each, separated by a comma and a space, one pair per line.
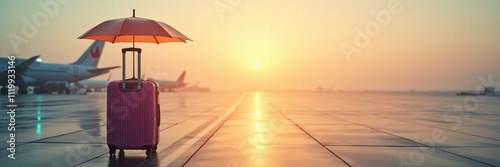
109, 77
181, 78
92, 55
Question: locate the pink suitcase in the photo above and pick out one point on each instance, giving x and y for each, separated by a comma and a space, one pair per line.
133, 112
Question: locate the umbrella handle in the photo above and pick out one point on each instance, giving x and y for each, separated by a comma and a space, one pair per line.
138, 50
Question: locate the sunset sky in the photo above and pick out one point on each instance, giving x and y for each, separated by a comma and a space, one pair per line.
283, 45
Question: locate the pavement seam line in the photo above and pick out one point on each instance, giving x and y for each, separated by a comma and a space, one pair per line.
179, 151
174, 146
276, 109
216, 130
423, 144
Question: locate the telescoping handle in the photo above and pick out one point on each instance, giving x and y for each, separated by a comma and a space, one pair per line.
138, 50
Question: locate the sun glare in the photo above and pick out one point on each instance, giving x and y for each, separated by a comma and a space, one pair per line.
257, 64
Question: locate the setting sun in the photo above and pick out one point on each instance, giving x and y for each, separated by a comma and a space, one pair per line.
257, 64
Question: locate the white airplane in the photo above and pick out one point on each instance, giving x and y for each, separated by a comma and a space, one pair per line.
88, 85
194, 88
170, 85
51, 77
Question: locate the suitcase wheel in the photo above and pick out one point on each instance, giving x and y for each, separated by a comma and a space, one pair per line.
150, 151
112, 151
121, 154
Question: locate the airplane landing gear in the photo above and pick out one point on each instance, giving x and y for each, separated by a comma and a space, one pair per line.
3, 90
40, 91
67, 92
22, 90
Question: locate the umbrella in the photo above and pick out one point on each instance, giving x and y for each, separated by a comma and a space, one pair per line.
134, 29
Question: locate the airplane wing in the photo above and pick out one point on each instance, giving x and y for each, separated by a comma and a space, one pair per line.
25, 64
20, 69
97, 70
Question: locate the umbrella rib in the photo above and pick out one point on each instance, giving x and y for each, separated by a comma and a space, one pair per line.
121, 27
156, 39
114, 39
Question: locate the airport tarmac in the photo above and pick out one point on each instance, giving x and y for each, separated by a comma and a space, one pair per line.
239, 129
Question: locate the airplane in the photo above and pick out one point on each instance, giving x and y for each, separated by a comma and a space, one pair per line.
170, 85
194, 88
97, 85
51, 77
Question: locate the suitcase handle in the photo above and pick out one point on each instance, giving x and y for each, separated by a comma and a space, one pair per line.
138, 50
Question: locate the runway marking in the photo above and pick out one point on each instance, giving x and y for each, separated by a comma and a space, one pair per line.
179, 151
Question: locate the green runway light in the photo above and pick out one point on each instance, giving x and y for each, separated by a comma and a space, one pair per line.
39, 118
38, 128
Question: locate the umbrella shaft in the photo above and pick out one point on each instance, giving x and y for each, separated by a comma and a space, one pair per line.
133, 54
133, 65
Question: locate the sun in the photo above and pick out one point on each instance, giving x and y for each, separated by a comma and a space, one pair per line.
257, 64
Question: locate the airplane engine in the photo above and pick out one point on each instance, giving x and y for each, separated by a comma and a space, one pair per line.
57, 86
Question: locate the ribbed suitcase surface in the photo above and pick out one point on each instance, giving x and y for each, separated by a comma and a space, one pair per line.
132, 115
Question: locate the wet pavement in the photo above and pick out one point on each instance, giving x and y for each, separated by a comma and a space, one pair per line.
238, 129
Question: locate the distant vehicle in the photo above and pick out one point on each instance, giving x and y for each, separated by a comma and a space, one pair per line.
168, 84
466, 93
88, 85
321, 89
487, 91
51, 77
194, 88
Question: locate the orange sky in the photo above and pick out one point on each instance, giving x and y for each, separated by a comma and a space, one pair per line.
425, 45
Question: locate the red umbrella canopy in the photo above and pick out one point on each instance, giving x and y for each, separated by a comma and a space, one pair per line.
134, 29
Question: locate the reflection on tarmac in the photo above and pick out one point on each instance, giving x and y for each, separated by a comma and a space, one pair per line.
263, 129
